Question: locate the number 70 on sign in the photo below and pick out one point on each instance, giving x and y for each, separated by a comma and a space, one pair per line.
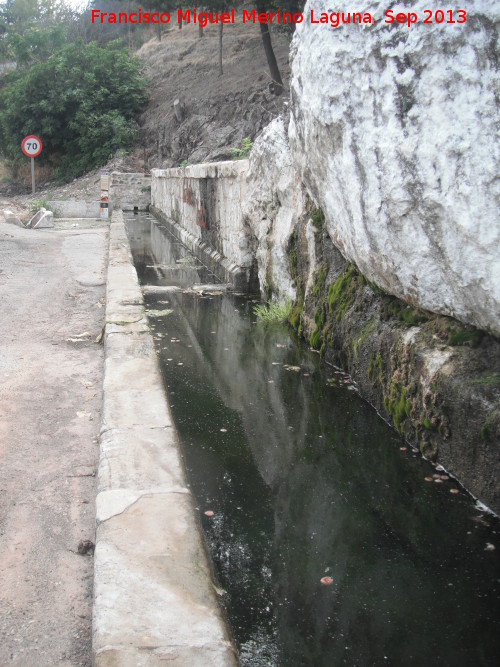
31, 146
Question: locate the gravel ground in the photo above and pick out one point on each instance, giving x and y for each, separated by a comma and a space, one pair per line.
52, 291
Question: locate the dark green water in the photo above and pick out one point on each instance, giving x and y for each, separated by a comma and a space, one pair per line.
305, 480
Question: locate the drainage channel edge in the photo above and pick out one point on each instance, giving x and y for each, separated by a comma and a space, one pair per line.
154, 600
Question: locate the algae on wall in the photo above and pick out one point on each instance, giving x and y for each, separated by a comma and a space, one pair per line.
435, 379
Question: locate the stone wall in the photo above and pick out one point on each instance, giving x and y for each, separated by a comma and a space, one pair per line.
205, 200
129, 191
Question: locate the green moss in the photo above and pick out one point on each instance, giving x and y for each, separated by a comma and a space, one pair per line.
316, 335
318, 218
366, 331
397, 405
319, 283
406, 314
488, 428
341, 293
295, 316
456, 338
488, 380
427, 424
376, 368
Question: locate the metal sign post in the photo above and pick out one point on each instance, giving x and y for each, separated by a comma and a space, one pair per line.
31, 147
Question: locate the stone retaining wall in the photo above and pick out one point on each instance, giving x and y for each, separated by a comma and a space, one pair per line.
129, 191
204, 201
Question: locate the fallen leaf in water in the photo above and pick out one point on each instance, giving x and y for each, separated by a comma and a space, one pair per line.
454, 491
209, 513
326, 581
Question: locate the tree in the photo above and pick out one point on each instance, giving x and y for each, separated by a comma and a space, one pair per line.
81, 102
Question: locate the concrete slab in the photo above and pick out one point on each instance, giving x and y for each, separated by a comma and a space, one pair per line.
143, 603
139, 458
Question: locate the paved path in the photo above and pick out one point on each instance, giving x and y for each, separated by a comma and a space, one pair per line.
52, 287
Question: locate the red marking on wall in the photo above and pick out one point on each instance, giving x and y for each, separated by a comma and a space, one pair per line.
187, 193
201, 220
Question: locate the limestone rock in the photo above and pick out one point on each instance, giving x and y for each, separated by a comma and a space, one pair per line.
393, 132
273, 206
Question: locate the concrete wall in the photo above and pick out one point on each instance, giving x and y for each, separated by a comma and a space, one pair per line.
154, 600
129, 191
205, 200
74, 208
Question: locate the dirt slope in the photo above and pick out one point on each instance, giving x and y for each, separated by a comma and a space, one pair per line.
219, 111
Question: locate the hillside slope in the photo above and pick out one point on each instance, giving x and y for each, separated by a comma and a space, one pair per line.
218, 111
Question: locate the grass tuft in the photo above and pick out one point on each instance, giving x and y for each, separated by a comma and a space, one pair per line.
273, 313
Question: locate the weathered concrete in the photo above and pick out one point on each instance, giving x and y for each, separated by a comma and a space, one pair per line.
129, 191
202, 205
154, 601
74, 208
12, 218
42, 219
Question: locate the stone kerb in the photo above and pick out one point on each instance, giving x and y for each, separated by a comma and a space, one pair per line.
154, 600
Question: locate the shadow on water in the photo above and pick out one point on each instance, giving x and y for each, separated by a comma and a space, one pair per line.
306, 481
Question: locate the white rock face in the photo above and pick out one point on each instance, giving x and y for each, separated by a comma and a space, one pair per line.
274, 204
394, 132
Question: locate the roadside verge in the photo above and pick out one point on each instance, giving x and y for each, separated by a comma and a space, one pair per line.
154, 600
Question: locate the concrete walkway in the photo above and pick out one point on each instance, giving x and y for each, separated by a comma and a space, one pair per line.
154, 603
52, 288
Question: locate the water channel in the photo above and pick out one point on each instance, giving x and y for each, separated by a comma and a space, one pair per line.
305, 482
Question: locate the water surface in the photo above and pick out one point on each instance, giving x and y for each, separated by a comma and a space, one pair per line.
305, 480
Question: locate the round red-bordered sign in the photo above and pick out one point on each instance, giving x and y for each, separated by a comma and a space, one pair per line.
31, 146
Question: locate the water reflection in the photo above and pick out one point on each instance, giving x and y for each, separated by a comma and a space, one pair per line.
305, 480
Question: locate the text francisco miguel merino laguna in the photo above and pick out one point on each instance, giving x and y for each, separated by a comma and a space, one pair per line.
334, 19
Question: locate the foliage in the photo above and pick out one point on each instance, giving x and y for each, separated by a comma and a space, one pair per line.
81, 103
243, 152
37, 204
273, 313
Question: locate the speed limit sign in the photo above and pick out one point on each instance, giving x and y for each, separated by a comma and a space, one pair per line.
31, 146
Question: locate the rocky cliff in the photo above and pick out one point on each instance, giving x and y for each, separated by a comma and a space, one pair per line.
393, 132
